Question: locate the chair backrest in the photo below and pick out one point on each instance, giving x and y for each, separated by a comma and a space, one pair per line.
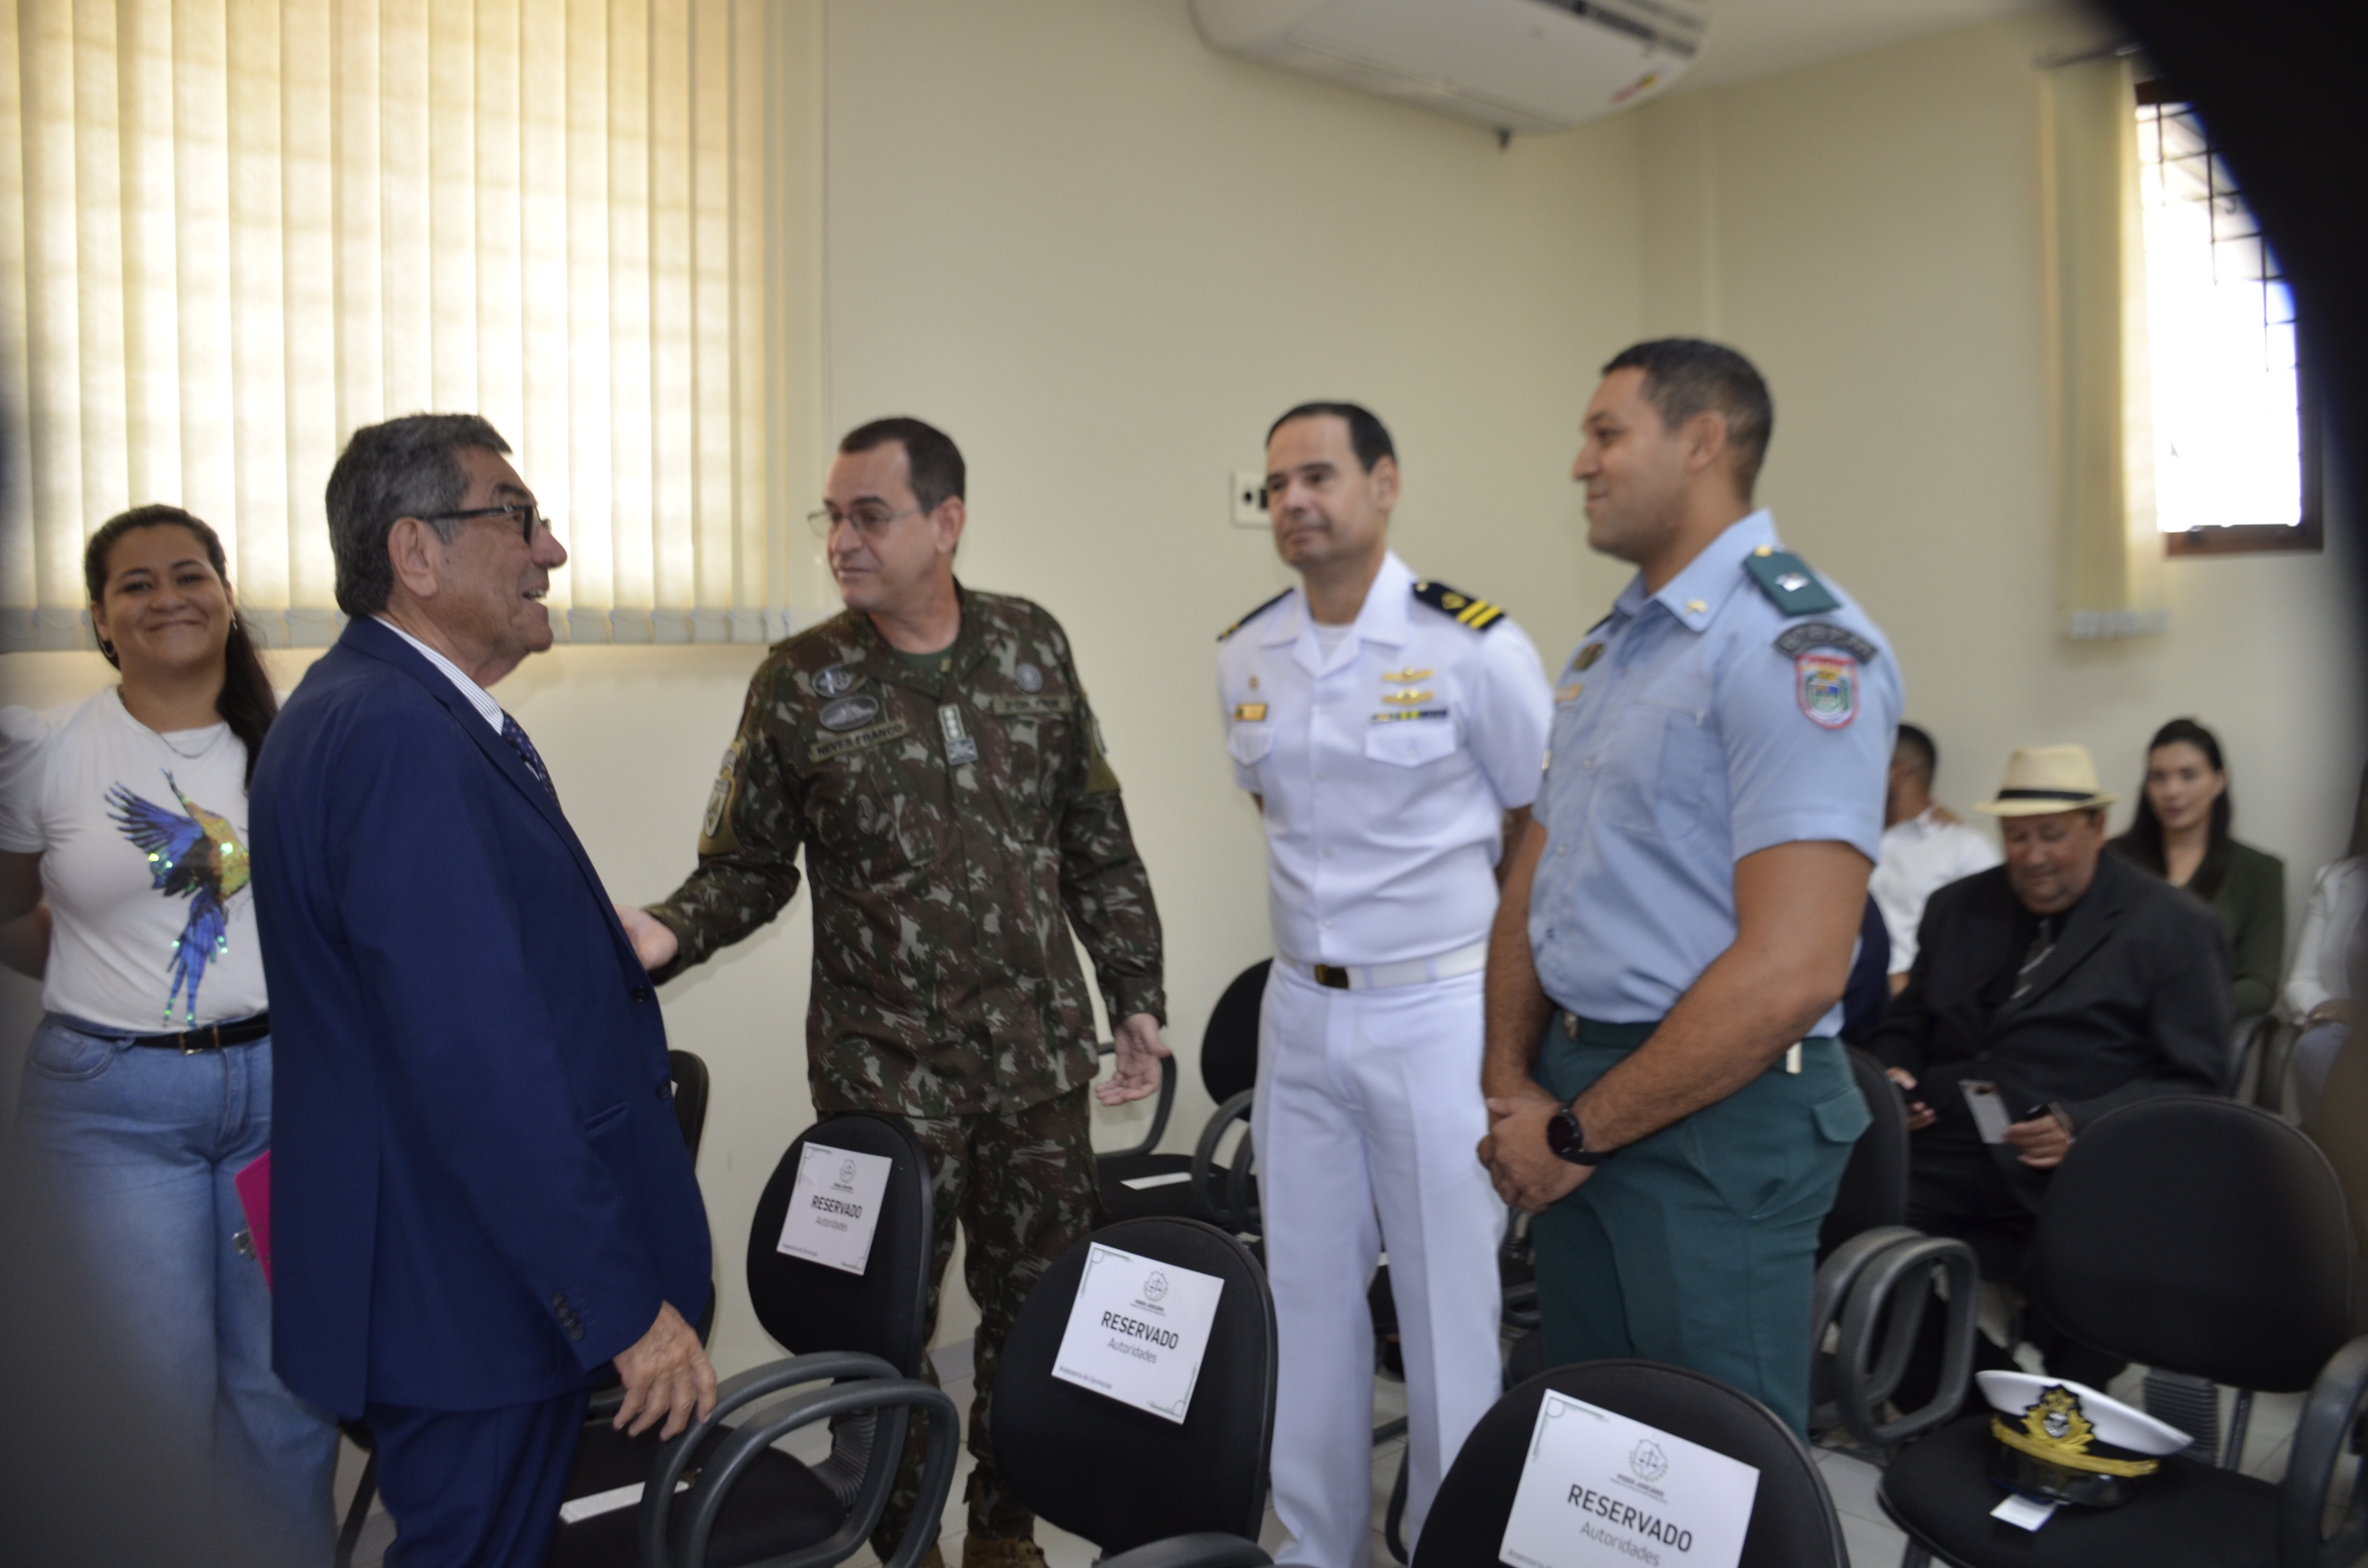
2203, 1237
1792, 1520
1874, 1183
690, 1076
1229, 1045
1121, 1477
883, 1312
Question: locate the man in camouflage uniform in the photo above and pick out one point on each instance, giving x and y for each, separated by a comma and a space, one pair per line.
932, 752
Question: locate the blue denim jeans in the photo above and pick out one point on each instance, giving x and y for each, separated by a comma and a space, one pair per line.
142, 1147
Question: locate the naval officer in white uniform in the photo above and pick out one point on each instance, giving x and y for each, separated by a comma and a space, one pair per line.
1393, 731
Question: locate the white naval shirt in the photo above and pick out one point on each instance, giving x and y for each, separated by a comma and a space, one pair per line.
1921, 856
1387, 767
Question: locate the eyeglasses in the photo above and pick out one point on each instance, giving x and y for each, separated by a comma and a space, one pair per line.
525, 515
870, 522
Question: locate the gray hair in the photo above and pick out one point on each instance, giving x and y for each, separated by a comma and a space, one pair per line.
407, 467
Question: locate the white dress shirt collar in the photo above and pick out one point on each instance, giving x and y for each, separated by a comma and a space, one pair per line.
478, 697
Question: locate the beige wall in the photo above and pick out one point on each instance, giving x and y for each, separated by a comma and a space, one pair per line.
1868, 231
1103, 258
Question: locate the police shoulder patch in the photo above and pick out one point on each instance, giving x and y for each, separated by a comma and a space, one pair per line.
1253, 615
1459, 606
1787, 583
1797, 640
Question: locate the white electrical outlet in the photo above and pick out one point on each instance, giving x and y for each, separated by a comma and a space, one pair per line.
1250, 500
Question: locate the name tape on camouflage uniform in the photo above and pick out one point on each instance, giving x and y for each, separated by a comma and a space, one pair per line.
839, 745
1029, 707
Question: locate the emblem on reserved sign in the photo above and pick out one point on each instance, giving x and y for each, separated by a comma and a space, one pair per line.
1137, 1331
834, 1207
1600, 1490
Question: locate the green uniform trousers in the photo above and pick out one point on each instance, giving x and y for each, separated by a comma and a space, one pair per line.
1023, 1186
1697, 1245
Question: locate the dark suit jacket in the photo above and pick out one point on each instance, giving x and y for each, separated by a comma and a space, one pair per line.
479, 1191
2133, 1001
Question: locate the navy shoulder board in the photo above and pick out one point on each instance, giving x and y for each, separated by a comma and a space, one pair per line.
1789, 583
1476, 613
1253, 615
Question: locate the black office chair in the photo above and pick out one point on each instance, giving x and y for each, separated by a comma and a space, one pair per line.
1875, 1282
862, 1333
689, 1085
1182, 1184
1792, 1520
2206, 1238
1152, 1493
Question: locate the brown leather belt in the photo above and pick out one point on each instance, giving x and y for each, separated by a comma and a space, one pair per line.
212, 1038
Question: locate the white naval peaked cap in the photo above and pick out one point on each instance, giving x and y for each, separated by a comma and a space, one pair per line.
2123, 1426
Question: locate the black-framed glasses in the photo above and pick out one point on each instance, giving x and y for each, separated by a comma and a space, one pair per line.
525, 515
870, 522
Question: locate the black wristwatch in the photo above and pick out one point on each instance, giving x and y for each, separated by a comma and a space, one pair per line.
1569, 1141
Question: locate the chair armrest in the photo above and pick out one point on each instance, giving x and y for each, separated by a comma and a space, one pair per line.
2322, 1439
1204, 1159
1860, 1389
1205, 1549
732, 1394
1159, 1112
1841, 1270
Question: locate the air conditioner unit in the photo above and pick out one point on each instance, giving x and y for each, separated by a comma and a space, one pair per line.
1511, 65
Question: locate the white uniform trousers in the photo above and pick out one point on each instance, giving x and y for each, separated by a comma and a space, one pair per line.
1367, 1116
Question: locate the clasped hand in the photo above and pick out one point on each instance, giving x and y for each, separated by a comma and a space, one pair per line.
1526, 1172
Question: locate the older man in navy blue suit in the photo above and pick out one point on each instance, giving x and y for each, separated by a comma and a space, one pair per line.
481, 1199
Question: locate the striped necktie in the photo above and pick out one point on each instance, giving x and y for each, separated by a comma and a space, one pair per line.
513, 732
2042, 943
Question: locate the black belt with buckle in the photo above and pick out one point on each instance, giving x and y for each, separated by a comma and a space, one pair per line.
1330, 974
212, 1038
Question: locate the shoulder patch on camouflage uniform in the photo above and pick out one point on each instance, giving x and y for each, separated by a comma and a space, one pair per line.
715, 830
1253, 615
1459, 606
1799, 639
1787, 583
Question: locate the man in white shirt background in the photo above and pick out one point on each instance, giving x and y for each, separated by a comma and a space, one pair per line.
1925, 847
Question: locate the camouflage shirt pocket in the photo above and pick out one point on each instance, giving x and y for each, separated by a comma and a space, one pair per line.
869, 824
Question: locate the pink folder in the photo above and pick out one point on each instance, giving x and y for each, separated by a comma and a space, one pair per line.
254, 1197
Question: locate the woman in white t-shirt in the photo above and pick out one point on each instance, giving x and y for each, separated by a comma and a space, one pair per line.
124, 886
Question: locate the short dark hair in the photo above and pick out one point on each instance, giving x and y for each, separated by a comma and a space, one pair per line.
1368, 437
245, 703
932, 462
1916, 744
1688, 376
407, 467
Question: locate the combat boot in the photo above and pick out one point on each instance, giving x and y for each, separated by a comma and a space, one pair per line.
978, 1552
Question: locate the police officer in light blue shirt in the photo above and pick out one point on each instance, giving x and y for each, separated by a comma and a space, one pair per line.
1667, 1094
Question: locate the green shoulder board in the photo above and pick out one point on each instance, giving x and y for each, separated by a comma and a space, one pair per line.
1476, 613
1253, 615
1789, 583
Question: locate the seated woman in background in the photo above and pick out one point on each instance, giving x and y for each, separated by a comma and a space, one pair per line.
148, 1085
2318, 989
2180, 834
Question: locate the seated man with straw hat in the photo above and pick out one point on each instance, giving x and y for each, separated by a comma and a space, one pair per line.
2045, 992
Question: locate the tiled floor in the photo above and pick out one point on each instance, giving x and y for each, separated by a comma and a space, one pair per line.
1872, 1541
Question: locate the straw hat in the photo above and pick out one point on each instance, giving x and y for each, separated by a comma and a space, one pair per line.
2044, 779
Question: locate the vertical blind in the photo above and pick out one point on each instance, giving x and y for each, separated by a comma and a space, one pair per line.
232, 231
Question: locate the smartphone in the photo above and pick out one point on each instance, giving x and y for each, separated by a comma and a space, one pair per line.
1990, 1117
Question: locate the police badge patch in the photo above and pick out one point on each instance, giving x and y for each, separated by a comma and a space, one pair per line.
1826, 685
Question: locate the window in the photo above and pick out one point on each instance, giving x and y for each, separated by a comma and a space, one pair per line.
231, 233
2234, 459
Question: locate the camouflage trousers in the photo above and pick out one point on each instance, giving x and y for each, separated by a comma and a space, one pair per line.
1022, 1186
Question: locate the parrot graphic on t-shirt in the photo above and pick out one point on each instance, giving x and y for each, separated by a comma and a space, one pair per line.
193, 854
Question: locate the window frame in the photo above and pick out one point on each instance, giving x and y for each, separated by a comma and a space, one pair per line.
2307, 533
